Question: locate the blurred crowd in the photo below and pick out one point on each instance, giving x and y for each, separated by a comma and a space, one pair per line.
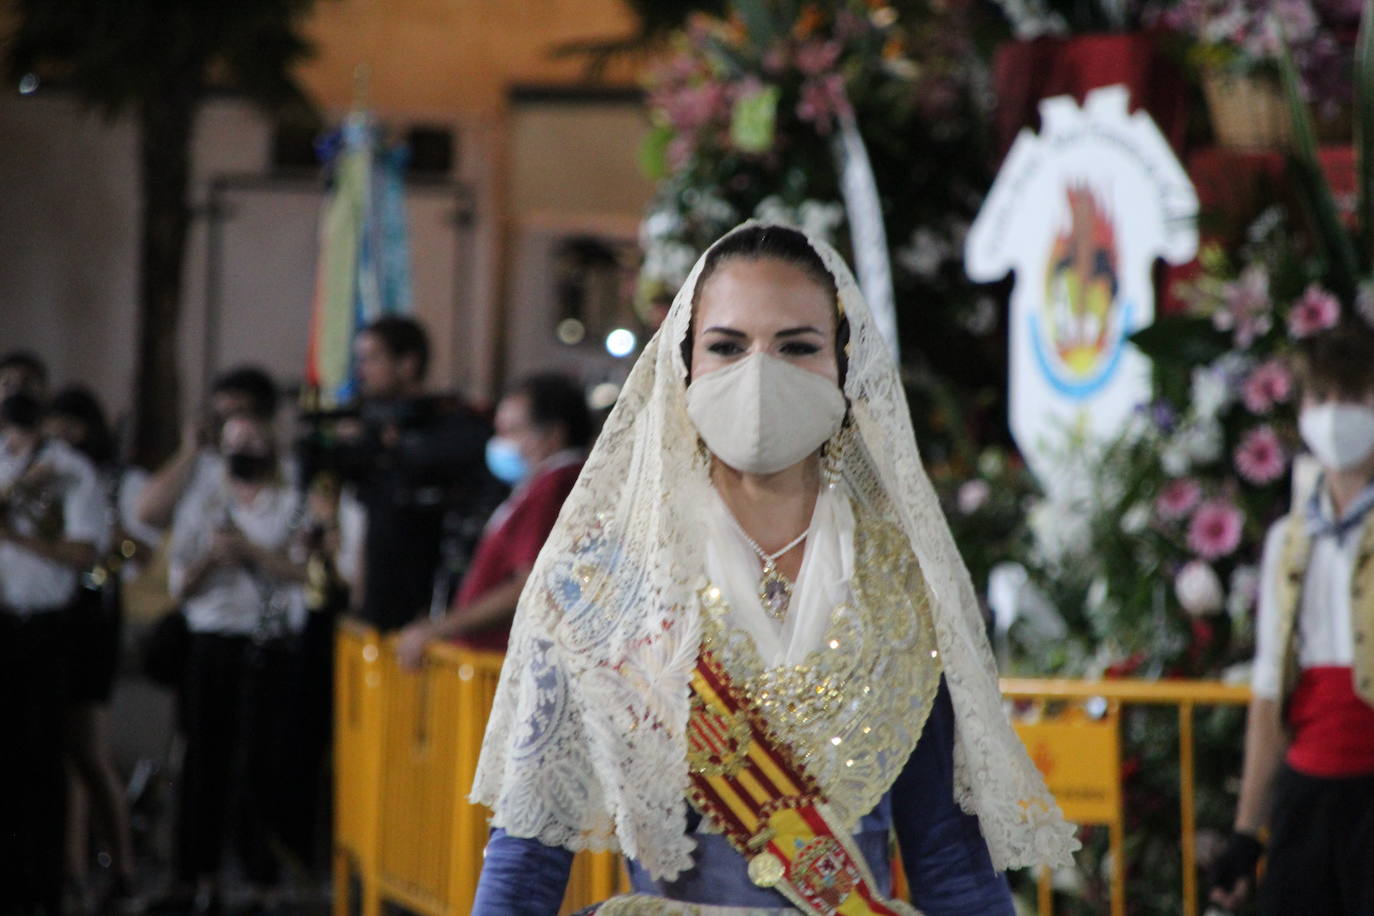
220, 576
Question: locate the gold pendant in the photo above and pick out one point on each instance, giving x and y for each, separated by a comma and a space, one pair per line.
775, 592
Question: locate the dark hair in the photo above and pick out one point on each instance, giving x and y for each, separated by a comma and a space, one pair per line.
22, 410
27, 361
1340, 361
778, 243
253, 382
402, 337
557, 400
79, 403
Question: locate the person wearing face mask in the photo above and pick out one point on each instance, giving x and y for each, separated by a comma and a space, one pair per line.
237, 565
749, 652
51, 520
196, 467
543, 428
1309, 737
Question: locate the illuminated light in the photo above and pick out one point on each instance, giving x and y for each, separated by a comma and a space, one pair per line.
836, 740
603, 396
571, 331
620, 342
28, 84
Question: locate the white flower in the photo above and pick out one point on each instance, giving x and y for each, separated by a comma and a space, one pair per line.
1211, 392
772, 210
924, 254
972, 495
820, 219
1136, 519
714, 209
1364, 302
1196, 442
1060, 529
1244, 590
1198, 589
660, 224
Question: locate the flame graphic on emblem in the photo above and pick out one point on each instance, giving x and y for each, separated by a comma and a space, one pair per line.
1081, 311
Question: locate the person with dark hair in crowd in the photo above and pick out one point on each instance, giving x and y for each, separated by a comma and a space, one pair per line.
543, 429
22, 370
244, 389
1309, 736
237, 565
51, 521
93, 644
423, 451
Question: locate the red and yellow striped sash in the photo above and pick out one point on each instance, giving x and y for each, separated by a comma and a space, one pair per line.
752, 787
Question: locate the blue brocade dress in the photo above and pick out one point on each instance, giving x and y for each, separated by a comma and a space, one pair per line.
944, 855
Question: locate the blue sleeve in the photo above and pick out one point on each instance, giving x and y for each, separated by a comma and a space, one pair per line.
521, 877
944, 854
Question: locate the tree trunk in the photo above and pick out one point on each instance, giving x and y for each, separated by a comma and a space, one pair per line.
166, 128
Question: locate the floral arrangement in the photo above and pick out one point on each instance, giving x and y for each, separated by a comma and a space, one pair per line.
746, 110
1151, 569
1249, 35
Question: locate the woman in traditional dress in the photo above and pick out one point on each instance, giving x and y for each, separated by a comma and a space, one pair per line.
750, 651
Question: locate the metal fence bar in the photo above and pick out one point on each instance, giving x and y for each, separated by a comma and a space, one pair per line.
1182, 694
1186, 807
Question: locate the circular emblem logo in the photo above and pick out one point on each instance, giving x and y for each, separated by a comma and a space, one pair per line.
1079, 332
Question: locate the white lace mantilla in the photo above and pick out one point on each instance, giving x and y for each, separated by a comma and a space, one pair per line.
586, 744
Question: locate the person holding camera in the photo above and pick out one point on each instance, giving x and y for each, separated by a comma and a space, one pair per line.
421, 455
237, 565
196, 466
543, 429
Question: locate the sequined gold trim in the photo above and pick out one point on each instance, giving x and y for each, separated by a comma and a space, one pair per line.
853, 710
645, 905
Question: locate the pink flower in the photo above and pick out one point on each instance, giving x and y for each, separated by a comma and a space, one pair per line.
1246, 306
815, 57
1316, 311
1215, 529
689, 108
822, 100
1178, 498
1259, 457
1268, 385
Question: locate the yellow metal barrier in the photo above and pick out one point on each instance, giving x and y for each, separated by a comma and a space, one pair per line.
1080, 758
406, 750
406, 747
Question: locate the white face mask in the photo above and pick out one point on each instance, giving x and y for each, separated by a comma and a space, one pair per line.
763, 414
1340, 434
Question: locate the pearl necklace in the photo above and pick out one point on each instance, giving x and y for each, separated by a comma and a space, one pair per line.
775, 591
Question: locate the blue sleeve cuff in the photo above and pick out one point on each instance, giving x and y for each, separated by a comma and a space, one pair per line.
521, 877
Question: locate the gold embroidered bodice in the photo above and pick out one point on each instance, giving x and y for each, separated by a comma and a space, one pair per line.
853, 709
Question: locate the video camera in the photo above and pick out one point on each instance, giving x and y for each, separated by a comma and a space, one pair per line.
423, 444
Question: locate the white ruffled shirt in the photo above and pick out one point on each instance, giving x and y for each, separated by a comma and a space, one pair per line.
822, 583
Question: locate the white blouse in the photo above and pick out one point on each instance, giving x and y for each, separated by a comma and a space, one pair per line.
822, 583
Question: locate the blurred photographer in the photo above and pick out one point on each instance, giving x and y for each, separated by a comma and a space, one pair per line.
543, 430
413, 462
196, 464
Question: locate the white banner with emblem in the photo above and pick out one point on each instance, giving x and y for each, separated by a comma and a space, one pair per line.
1080, 213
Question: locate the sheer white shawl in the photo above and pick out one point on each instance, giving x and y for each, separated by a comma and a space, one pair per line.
585, 748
